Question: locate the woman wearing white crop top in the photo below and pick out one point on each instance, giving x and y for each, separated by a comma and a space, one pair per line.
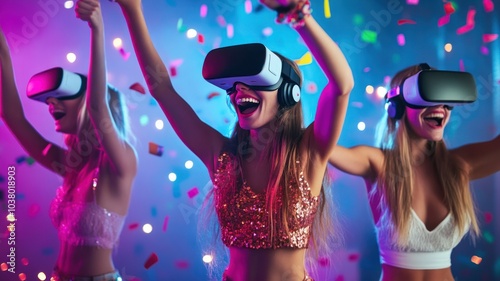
98, 166
419, 190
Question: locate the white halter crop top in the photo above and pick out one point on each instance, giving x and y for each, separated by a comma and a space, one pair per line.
425, 249
85, 223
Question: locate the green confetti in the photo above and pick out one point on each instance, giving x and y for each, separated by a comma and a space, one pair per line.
358, 19
369, 36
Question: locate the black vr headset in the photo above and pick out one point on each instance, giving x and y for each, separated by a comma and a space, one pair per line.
56, 82
255, 66
430, 88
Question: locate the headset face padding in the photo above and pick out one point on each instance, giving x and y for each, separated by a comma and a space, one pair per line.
288, 94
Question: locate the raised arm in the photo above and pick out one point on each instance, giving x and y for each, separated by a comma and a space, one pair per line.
48, 154
118, 151
200, 138
332, 105
482, 158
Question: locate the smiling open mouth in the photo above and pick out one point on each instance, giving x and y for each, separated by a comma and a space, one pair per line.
58, 115
434, 120
247, 105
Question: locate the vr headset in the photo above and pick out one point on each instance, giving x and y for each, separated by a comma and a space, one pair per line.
56, 82
255, 66
430, 88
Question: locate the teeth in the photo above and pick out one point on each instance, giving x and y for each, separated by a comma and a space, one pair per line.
242, 100
435, 115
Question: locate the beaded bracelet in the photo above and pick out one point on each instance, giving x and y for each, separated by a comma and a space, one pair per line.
296, 14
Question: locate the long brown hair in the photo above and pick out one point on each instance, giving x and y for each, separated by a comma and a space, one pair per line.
395, 184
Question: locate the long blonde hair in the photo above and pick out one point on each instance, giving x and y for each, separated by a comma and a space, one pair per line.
395, 184
84, 146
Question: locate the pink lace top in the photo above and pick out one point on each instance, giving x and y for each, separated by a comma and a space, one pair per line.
85, 223
243, 215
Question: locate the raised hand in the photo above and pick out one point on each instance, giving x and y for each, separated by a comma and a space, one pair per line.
89, 11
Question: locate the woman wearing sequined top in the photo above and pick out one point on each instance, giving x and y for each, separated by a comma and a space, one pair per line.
268, 175
98, 166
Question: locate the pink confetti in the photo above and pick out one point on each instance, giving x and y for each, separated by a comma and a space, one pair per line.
448, 8
192, 192
248, 6
462, 66
267, 31
470, 23
485, 51
138, 88
165, 224
412, 2
366, 69
487, 38
443, 20
230, 31
488, 217
173, 71
201, 38
182, 264
401, 40
340, 278
25, 261
133, 226
489, 6
406, 21
221, 21
203, 10
125, 54
153, 258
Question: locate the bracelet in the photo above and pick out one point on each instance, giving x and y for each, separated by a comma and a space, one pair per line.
295, 14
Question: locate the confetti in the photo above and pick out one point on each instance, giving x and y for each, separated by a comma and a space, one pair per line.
470, 23
326, 5
401, 40
369, 36
30, 160
125, 55
173, 71
155, 149
412, 2
212, 95
311, 88
180, 26
203, 10
221, 21
443, 20
165, 224
406, 21
353, 257
138, 88
489, 6
487, 38
201, 39
476, 259
485, 51
448, 8
340, 278
153, 258
248, 6
305, 59
25, 261
230, 31
268, 31
324, 261
192, 192
33, 210
133, 226
20, 159
461, 64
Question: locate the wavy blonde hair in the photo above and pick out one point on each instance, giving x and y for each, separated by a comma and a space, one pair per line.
395, 185
84, 145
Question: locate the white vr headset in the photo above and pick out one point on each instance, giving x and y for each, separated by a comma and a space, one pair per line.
56, 82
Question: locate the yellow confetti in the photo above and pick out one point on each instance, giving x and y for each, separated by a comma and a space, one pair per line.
476, 259
327, 9
305, 59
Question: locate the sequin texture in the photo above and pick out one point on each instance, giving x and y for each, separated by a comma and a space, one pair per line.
243, 216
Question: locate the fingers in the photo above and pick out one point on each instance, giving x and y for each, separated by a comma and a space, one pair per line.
85, 8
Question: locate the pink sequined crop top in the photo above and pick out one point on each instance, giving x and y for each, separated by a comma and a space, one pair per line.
85, 223
243, 215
